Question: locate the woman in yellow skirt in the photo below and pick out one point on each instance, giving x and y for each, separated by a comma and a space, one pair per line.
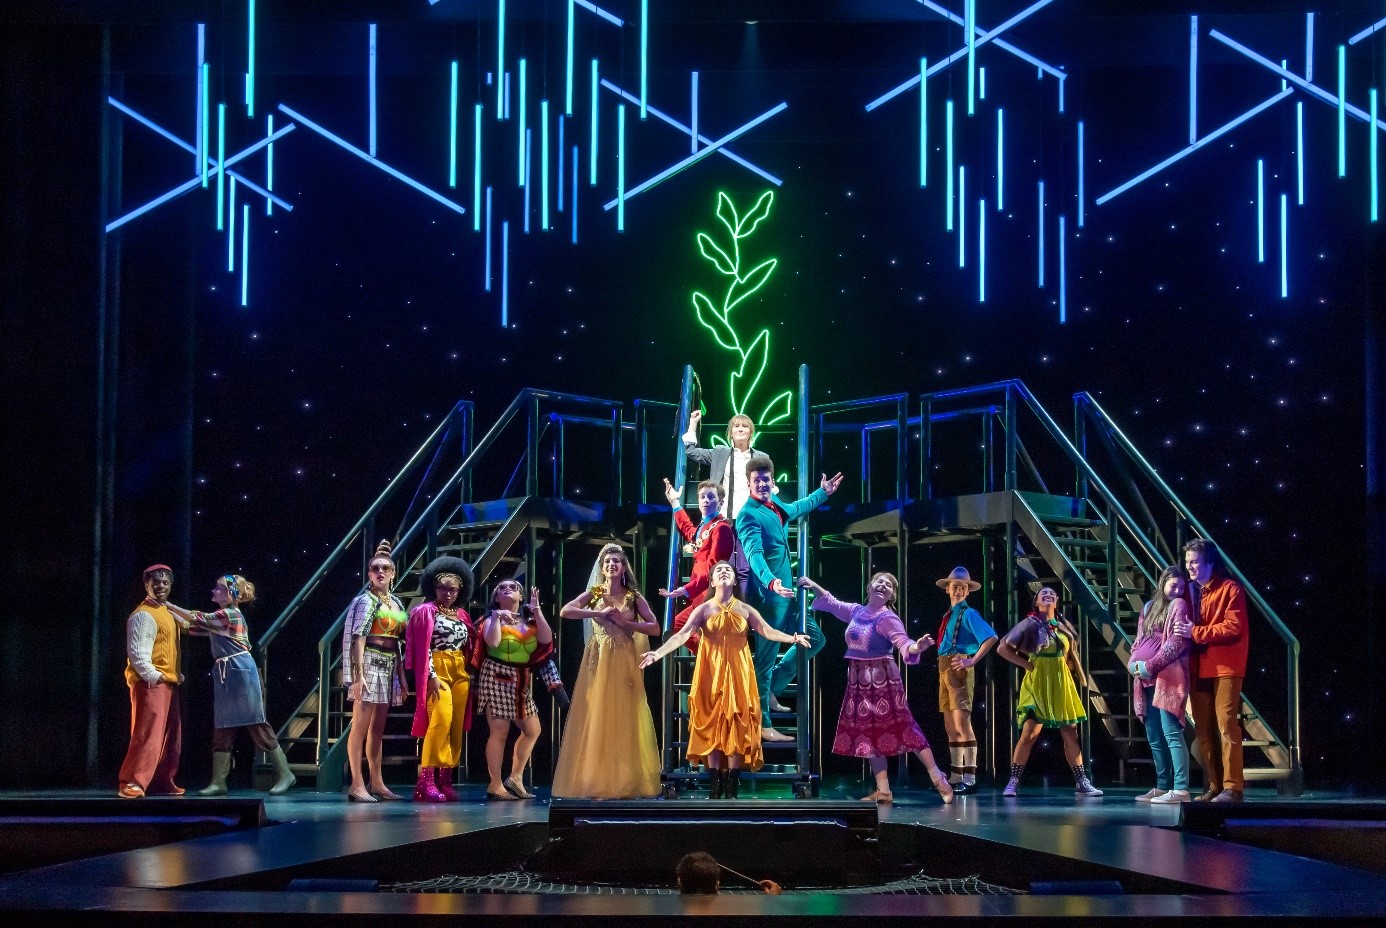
609, 747
723, 705
1045, 646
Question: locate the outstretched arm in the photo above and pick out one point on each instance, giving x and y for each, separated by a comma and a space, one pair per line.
676, 641
824, 601
769, 632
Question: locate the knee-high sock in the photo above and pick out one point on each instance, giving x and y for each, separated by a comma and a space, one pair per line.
955, 761
969, 761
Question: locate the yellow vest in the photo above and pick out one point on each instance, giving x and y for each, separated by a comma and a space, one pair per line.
164, 655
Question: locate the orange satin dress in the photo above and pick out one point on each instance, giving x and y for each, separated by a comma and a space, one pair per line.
723, 705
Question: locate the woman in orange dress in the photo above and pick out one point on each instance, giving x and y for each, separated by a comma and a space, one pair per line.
723, 705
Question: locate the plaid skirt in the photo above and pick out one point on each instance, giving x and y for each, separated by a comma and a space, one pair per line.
380, 678
876, 719
504, 691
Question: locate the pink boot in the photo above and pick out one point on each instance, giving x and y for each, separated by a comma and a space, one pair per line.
443, 780
426, 790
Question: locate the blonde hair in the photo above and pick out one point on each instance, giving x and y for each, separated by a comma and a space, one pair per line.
242, 590
739, 417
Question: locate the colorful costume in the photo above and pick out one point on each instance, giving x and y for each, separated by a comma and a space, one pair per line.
875, 720
723, 705
237, 696
726, 465
609, 747
156, 722
1221, 640
764, 532
437, 647
382, 622
504, 674
714, 540
1047, 693
1159, 702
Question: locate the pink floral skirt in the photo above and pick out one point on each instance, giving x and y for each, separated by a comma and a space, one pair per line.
875, 719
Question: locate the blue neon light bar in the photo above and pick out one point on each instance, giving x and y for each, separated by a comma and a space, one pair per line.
500, 60
568, 69
505, 275
1080, 173
231, 232
1000, 159
702, 153
575, 193
1309, 46
308, 123
962, 215
372, 90
1260, 211
1313, 90
948, 162
452, 130
221, 164
923, 122
524, 133
666, 118
592, 181
1366, 32
1371, 158
970, 28
199, 114
476, 172
561, 151
981, 83
644, 56
544, 165
1188, 150
981, 251
488, 239
621, 167
1284, 246
693, 114
1193, 79
245, 255
206, 127
1063, 272
529, 140
250, 62
1041, 235
269, 163
609, 17
1299, 147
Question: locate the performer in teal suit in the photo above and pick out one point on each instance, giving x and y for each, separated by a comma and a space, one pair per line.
763, 527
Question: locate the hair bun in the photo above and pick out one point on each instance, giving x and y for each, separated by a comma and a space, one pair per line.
383, 549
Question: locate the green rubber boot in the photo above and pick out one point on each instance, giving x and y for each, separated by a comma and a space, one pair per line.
221, 769
284, 778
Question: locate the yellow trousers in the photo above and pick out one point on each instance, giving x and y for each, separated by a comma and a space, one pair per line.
442, 746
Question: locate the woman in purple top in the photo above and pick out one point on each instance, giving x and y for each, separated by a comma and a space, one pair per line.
1160, 665
876, 720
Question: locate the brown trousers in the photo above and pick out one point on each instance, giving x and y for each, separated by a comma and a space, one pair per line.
1217, 705
261, 735
156, 738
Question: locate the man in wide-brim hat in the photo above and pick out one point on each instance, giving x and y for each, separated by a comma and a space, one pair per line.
964, 638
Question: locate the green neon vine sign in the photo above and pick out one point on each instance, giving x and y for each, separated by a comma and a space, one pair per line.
751, 346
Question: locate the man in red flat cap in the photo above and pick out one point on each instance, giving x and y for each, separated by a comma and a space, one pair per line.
151, 672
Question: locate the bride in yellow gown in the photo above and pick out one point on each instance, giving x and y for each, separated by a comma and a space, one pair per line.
609, 749
723, 707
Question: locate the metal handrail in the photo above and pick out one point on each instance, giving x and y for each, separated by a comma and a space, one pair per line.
1085, 401
268, 636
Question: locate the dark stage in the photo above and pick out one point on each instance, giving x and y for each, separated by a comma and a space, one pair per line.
1046, 856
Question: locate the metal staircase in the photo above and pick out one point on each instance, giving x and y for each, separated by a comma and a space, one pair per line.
985, 467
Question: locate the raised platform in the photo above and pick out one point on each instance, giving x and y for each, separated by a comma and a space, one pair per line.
1045, 840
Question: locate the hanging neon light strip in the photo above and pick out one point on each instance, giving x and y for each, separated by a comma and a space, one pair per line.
1284, 246
962, 215
981, 251
923, 122
308, 123
200, 114
245, 255
644, 56
488, 240
702, 153
621, 167
561, 152
575, 193
568, 67
476, 171
981, 83
505, 275
1080, 173
221, 164
609, 17
206, 127
592, 181
1193, 79
523, 171
529, 139
1260, 211
250, 62
1063, 273
948, 163
1371, 157
269, 163
1366, 32
970, 29
231, 232
371, 68
1000, 158
693, 114
500, 59
1308, 46
544, 165
1185, 152
1299, 148
1312, 89
1041, 235
452, 130
669, 120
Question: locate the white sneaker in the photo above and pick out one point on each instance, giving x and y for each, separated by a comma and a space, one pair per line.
1173, 796
1152, 795
1012, 788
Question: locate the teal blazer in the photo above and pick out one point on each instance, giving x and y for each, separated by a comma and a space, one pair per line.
765, 540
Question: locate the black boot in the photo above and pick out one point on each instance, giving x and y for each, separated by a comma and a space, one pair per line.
718, 778
733, 782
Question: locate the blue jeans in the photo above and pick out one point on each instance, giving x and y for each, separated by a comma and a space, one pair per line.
1166, 736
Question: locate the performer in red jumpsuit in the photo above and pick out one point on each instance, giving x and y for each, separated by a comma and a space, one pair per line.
712, 541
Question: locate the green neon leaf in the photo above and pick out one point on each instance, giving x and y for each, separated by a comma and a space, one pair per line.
745, 381
714, 253
755, 279
760, 211
727, 213
718, 441
715, 322
778, 409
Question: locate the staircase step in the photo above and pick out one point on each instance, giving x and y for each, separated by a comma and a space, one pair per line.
1069, 521
1091, 565
1081, 542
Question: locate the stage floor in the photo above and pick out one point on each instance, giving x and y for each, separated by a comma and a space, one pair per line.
1170, 874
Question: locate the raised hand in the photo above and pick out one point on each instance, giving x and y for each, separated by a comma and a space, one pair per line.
674, 496
534, 599
923, 643
830, 485
695, 418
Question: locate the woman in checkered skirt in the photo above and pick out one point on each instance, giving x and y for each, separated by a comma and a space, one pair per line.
516, 642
